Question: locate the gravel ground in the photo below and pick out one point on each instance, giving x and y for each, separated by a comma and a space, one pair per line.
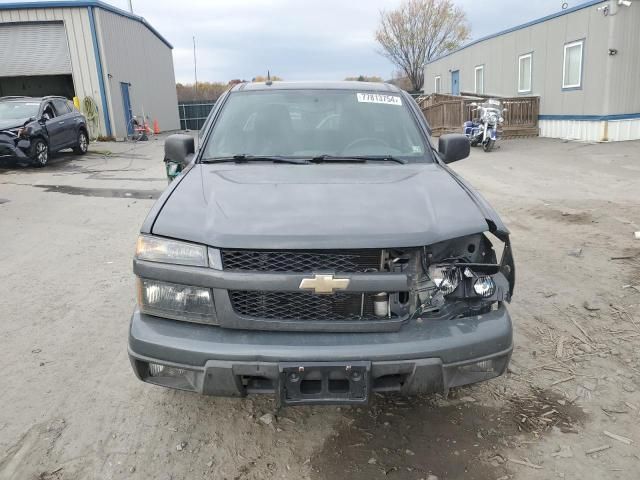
71, 408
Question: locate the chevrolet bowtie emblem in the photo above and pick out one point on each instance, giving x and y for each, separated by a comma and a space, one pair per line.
324, 284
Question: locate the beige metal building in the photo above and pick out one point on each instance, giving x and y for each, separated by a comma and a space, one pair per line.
583, 62
117, 64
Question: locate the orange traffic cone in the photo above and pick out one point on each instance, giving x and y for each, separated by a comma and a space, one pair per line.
156, 127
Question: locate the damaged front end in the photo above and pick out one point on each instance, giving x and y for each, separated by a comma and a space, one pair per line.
453, 279
15, 143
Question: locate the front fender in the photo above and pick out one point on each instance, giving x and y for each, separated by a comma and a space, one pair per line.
36, 130
496, 226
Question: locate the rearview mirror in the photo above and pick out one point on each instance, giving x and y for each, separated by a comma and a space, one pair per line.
179, 148
453, 147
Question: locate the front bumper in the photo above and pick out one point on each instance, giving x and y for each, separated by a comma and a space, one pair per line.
422, 357
12, 147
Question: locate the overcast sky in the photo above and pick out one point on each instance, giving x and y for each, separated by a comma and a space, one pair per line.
299, 39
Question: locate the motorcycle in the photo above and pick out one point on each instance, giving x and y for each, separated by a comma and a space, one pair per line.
484, 129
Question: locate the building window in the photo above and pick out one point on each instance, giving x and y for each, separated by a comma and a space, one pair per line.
479, 79
436, 84
524, 73
572, 66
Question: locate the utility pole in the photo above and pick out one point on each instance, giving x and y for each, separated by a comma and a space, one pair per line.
195, 67
131, 6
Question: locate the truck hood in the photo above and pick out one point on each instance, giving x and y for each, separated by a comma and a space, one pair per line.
267, 206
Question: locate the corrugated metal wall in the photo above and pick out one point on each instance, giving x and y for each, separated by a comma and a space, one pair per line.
573, 130
546, 40
83, 62
591, 131
620, 130
133, 54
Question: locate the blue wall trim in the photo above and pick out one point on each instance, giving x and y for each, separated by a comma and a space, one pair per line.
592, 118
588, 4
96, 50
82, 4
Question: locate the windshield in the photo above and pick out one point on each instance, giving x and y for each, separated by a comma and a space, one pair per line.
491, 103
310, 123
18, 110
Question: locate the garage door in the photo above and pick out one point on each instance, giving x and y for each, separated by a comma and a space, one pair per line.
34, 49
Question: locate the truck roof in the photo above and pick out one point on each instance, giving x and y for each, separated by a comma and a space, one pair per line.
317, 85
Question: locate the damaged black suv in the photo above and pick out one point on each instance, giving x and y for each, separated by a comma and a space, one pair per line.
33, 128
317, 247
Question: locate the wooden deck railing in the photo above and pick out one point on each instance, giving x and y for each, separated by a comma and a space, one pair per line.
447, 113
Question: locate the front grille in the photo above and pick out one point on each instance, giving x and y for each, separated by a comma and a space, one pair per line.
303, 306
356, 261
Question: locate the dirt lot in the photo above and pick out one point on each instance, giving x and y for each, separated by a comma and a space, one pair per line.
70, 407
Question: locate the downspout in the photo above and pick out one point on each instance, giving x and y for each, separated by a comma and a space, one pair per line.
96, 50
611, 17
105, 67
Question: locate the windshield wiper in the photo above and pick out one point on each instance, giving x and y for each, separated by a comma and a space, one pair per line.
334, 158
254, 158
358, 158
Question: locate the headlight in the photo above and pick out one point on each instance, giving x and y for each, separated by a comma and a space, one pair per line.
156, 249
179, 302
445, 277
18, 132
484, 286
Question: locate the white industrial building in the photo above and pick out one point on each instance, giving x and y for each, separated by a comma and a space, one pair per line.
583, 62
113, 61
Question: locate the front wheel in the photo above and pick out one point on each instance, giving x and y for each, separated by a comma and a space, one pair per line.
40, 153
82, 144
488, 145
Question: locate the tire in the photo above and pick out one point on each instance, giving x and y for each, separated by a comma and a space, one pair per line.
488, 145
39, 153
83, 143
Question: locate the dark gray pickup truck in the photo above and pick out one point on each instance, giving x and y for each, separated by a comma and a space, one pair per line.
317, 247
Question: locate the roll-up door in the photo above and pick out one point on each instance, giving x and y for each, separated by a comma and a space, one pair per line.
28, 49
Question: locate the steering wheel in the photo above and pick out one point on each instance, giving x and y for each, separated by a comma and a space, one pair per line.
367, 140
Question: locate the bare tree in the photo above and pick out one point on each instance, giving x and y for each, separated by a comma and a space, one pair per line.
419, 31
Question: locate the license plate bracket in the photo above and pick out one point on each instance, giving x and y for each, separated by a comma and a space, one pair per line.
324, 383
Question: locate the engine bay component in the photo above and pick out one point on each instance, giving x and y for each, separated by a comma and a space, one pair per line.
461, 276
381, 304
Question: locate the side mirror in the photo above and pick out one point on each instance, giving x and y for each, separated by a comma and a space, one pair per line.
453, 147
178, 153
179, 148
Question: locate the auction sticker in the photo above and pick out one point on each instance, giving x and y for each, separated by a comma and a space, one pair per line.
379, 98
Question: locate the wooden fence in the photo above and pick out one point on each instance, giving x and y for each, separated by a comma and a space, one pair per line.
447, 113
